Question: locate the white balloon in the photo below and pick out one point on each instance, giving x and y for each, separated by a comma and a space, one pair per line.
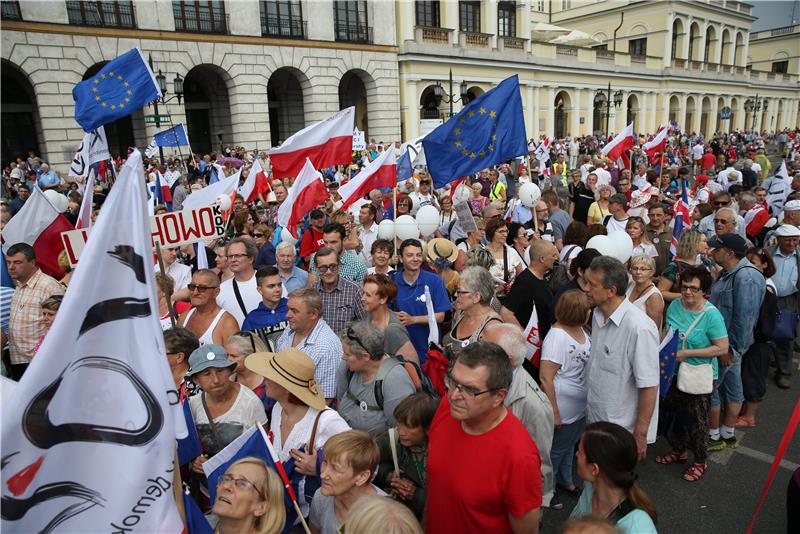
286, 235
622, 245
224, 202
601, 244
59, 201
427, 220
405, 227
529, 194
386, 229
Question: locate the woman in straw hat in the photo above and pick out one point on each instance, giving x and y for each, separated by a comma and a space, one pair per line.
442, 254
301, 422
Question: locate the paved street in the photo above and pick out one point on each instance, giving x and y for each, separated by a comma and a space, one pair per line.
724, 500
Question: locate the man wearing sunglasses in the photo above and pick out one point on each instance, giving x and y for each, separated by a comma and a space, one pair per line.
484, 470
207, 320
423, 195
341, 298
722, 199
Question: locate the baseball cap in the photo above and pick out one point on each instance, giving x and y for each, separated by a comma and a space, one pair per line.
787, 230
618, 198
734, 242
316, 214
208, 356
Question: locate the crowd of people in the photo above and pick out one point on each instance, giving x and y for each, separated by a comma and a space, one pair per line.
468, 379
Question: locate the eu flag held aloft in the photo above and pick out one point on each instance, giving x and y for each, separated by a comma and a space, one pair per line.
122, 86
175, 136
489, 130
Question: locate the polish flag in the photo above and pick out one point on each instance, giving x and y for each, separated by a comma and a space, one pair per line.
39, 224
208, 195
380, 172
623, 142
325, 143
305, 194
255, 184
85, 213
658, 144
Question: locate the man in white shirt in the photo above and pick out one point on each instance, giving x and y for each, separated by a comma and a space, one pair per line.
180, 273
573, 149
369, 230
622, 373
728, 176
603, 176
697, 155
618, 220
239, 295
640, 179
423, 196
173, 173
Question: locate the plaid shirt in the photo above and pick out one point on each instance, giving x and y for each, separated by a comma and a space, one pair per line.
342, 305
25, 326
322, 346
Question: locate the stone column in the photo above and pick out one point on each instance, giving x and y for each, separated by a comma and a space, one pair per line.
407, 17
698, 114
663, 116
525, 24
451, 20
574, 120
528, 105
412, 110
534, 132
490, 21
549, 109
713, 118
622, 114
668, 40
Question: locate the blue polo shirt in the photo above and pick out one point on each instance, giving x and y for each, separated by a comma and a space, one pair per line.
411, 299
268, 324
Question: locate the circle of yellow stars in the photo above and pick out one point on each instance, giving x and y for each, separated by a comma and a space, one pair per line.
460, 142
111, 77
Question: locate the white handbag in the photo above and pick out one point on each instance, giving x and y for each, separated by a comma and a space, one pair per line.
695, 379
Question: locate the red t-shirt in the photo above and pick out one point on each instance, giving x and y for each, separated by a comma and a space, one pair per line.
708, 160
474, 482
312, 241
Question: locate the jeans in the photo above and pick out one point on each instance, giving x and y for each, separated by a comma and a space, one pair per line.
562, 452
729, 384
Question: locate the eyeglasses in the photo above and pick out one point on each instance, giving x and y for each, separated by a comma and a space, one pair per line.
257, 234
728, 203
467, 391
241, 484
236, 256
333, 267
722, 221
691, 289
640, 269
462, 292
199, 288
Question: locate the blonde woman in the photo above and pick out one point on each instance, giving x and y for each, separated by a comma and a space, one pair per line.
691, 244
249, 499
642, 292
641, 240
599, 208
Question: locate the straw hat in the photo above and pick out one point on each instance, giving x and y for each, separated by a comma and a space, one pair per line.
441, 248
292, 369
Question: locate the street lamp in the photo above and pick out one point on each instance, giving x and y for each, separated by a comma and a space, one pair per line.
600, 98
161, 80
440, 95
754, 106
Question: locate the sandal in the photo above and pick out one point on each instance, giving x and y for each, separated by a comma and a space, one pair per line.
695, 472
742, 422
672, 458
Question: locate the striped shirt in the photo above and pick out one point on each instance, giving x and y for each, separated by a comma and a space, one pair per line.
25, 326
322, 346
341, 305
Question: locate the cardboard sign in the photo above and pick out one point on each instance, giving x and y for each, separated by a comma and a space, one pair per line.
464, 216
359, 140
169, 229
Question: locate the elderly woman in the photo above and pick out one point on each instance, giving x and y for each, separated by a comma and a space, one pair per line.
369, 384
474, 239
642, 244
704, 337
599, 208
379, 290
414, 416
249, 499
446, 214
225, 408
565, 352
301, 422
239, 346
351, 459
382, 251
507, 262
473, 308
642, 292
690, 245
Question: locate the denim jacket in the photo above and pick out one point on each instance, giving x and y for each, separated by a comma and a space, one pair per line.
738, 294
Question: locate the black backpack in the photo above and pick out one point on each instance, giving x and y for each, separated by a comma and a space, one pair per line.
420, 380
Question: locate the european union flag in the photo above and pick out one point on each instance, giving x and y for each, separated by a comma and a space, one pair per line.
175, 136
124, 85
489, 130
404, 170
667, 357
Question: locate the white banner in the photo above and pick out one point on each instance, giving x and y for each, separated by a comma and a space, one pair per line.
93, 148
359, 140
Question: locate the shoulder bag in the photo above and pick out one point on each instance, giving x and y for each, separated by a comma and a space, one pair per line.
695, 379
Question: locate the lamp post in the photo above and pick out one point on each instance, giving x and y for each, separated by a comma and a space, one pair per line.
600, 98
439, 93
161, 80
754, 106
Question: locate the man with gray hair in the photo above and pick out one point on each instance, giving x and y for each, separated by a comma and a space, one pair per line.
525, 398
722, 199
622, 374
292, 276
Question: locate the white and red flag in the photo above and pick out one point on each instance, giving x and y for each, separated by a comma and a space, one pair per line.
623, 142
255, 184
89, 432
305, 194
658, 144
380, 172
208, 195
39, 224
325, 143
85, 213
542, 152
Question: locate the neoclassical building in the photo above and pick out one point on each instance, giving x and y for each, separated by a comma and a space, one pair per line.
252, 73
682, 61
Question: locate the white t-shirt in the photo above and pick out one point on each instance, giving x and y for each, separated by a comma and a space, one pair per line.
420, 200
180, 273
697, 152
246, 411
645, 248
613, 225
250, 296
603, 176
570, 380
514, 260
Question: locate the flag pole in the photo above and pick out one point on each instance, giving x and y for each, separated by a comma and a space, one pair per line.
168, 294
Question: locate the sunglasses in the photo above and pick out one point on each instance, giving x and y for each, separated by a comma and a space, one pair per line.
351, 335
199, 288
257, 234
722, 203
333, 267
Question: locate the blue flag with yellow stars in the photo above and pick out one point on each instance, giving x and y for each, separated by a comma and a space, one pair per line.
122, 86
489, 130
667, 358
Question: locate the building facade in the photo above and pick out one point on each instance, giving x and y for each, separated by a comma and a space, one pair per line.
253, 73
680, 61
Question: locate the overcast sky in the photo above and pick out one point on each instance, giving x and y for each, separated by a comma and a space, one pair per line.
775, 13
